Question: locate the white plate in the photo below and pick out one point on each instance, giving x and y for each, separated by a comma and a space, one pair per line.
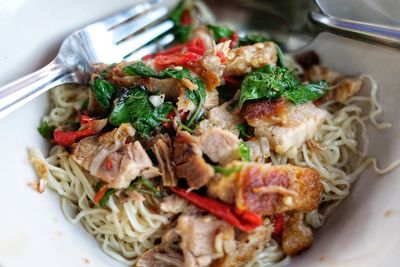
33, 231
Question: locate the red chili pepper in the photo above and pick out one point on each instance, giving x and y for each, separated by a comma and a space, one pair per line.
100, 194
109, 163
221, 56
171, 116
234, 40
232, 80
181, 55
68, 138
278, 225
147, 57
186, 18
242, 219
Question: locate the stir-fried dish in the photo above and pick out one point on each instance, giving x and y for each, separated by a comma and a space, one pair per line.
218, 150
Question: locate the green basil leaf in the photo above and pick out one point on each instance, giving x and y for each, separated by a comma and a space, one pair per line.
220, 31
46, 130
303, 93
181, 32
245, 130
251, 39
244, 151
134, 106
145, 186
197, 96
273, 82
103, 201
227, 171
104, 92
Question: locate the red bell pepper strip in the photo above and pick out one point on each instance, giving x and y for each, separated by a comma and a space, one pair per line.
100, 194
242, 219
68, 138
278, 225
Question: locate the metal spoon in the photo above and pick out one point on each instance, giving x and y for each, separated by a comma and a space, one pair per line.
288, 22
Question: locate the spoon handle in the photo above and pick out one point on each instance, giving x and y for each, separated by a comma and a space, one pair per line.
369, 32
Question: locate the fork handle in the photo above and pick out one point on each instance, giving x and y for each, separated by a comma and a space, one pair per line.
21, 91
370, 32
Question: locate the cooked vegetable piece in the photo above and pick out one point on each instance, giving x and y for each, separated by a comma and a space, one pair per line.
197, 96
68, 138
244, 151
242, 219
272, 82
245, 130
226, 171
220, 31
144, 186
46, 130
182, 19
134, 106
104, 92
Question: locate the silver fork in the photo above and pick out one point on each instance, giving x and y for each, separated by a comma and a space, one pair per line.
126, 35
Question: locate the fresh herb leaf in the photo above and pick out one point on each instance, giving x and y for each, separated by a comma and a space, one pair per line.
220, 31
97, 186
103, 201
244, 151
245, 130
180, 31
272, 82
144, 186
134, 106
227, 171
46, 130
281, 62
197, 96
303, 93
250, 39
104, 92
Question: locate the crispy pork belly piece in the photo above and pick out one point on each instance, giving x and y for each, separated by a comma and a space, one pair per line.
317, 73
203, 33
212, 99
259, 148
175, 205
213, 65
163, 254
244, 59
345, 89
219, 145
222, 118
108, 158
162, 149
221, 61
303, 121
204, 239
268, 190
248, 245
170, 87
154, 258
296, 236
188, 160
265, 111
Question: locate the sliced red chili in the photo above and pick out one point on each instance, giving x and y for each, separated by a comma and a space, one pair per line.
242, 219
68, 138
186, 18
100, 194
279, 222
